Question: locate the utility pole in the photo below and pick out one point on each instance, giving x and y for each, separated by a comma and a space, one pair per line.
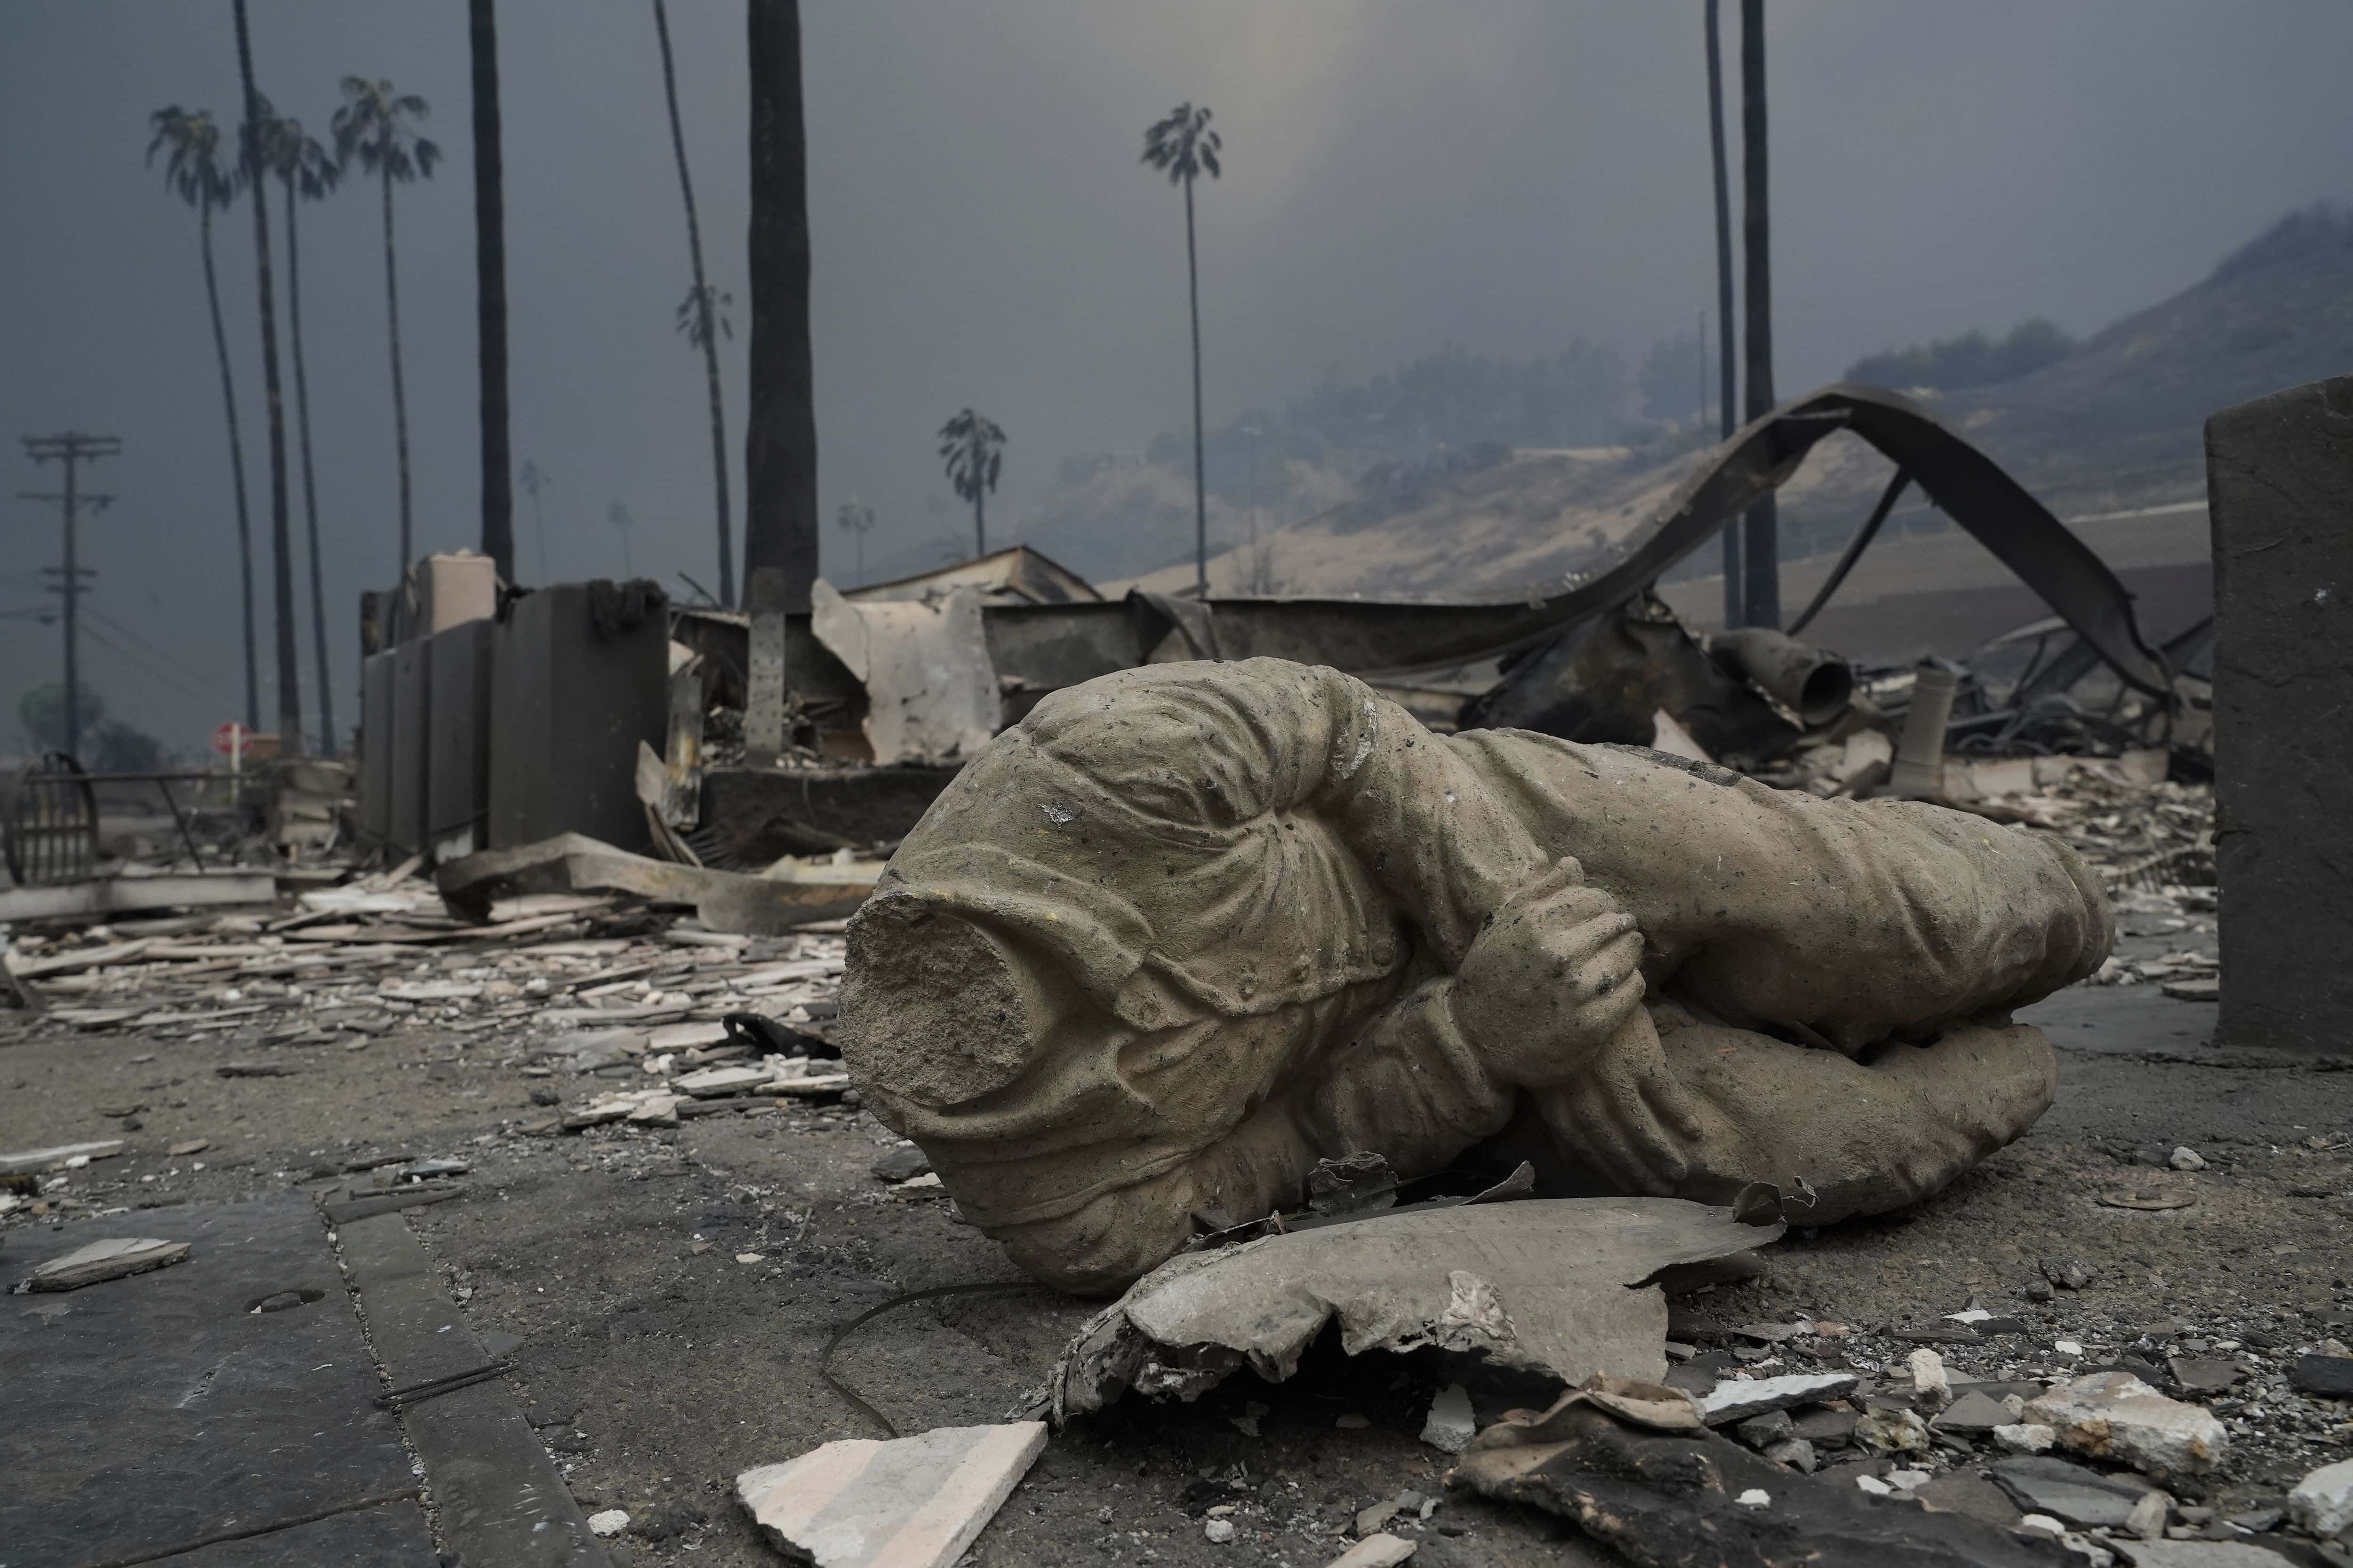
1726, 368
72, 449
1761, 548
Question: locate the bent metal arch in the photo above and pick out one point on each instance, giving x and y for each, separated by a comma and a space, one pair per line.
1367, 637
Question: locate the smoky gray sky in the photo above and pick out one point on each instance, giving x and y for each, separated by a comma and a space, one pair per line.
1505, 175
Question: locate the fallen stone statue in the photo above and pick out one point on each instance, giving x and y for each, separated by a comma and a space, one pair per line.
1188, 928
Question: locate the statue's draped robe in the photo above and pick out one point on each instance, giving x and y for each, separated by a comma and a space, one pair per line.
1188, 927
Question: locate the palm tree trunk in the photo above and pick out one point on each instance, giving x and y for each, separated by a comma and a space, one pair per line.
980, 523
309, 481
1762, 549
710, 335
780, 431
1727, 365
491, 290
281, 532
399, 392
236, 468
1200, 493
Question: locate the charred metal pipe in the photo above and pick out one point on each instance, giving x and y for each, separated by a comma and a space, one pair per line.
1919, 770
1814, 685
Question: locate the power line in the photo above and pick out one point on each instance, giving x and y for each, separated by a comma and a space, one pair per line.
161, 672
168, 657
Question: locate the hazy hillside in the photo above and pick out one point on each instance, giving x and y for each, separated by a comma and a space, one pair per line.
2113, 424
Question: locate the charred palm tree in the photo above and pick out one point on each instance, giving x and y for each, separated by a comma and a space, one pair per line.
1182, 147
378, 127
490, 288
973, 448
281, 530
308, 173
197, 173
702, 317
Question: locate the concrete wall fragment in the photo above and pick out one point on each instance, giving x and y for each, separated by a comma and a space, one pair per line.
2279, 478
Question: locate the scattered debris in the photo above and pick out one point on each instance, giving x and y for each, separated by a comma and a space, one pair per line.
911, 1502
105, 1261
1557, 1286
1634, 1467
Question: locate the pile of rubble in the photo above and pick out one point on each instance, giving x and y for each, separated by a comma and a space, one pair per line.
1968, 1413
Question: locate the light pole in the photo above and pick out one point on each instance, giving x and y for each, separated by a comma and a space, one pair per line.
618, 516
533, 479
856, 518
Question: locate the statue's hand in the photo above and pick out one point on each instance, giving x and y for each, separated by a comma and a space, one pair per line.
1627, 1117
1550, 978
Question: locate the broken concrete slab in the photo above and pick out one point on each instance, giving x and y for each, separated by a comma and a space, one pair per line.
115, 1259
2207, 1374
911, 1502
2070, 1492
26, 1161
930, 686
1557, 1286
790, 894
1973, 1412
2115, 1415
1737, 1399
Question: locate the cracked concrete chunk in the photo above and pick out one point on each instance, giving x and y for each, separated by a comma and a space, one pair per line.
2115, 1415
1383, 1551
1737, 1399
913, 1502
2323, 1501
1450, 1425
1556, 1286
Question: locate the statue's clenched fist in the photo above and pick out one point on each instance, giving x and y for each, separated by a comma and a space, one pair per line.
1550, 977
1550, 995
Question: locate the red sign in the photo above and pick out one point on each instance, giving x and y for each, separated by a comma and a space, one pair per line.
236, 743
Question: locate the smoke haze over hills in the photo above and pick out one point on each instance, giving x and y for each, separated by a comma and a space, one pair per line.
1505, 178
